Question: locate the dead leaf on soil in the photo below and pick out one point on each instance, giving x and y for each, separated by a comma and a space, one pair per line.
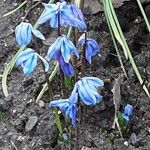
117, 100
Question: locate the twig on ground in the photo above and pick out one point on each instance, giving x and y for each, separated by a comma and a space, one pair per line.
28, 11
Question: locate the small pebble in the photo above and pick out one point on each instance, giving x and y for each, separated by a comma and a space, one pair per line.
41, 103
31, 123
133, 139
126, 143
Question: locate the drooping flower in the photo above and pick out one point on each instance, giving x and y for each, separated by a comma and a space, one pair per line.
68, 106
66, 68
28, 61
92, 47
127, 112
76, 12
65, 46
65, 14
24, 32
87, 89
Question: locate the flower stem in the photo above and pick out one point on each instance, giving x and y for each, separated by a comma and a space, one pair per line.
57, 119
83, 60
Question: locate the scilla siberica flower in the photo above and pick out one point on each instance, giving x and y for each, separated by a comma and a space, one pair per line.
28, 61
66, 68
127, 112
65, 13
65, 46
24, 32
87, 89
68, 106
92, 47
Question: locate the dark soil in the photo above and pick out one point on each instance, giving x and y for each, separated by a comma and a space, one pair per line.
96, 124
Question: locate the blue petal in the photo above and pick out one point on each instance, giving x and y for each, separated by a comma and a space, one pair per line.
18, 34
81, 39
71, 46
30, 64
74, 22
67, 69
128, 109
58, 103
85, 93
72, 115
54, 48
77, 13
65, 51
54, 21
94, 45
74, 96
88, 53
48, 14
38, 34
23, 56
44, 62
94, 81
26, 35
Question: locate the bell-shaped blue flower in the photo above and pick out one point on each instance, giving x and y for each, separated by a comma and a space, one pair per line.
65, 46
66, 68
24, 32
92, 47
28, 61
65, 14
68, 106
76, 12
87, 89
127, 112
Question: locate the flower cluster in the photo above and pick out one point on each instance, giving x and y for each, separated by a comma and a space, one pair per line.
84, 90
59, 15
63, 14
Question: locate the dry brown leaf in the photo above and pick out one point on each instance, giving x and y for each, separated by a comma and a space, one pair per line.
117, 100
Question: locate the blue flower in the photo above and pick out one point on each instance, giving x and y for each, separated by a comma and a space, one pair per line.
87, 89
76, 12
92, 47
28, 61
24, 32
65, 13
68, 106
65, 46
127, 112
66, 68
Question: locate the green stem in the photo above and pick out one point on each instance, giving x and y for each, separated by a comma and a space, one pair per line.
115, 44
11, 64
57, 119
15, 10
144, 15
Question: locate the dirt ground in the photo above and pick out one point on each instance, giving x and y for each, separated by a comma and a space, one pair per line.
19, 107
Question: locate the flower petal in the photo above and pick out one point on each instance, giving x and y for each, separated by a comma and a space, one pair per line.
94, 81
24, 56
30, 64
44, 62
54, 21
26, 33
38, 34
54, 48
85, 93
